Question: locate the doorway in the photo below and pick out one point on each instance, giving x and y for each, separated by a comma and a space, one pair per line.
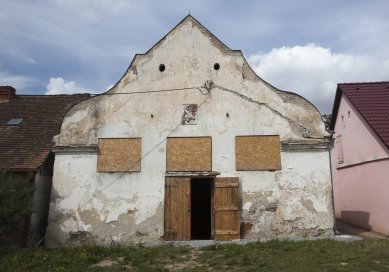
201, 208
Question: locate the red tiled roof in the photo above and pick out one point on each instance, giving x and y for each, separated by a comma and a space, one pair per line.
27, 145
371, 100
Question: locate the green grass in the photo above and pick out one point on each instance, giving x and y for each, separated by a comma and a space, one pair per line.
321, 255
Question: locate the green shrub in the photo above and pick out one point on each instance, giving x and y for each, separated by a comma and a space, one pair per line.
16, 197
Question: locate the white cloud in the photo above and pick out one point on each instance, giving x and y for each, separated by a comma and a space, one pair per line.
93, 41
57, 85
313, 71
16, 81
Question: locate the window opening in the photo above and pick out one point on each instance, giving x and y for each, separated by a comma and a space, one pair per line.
14, 121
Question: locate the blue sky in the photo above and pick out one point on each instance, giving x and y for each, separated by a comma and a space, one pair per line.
304, 46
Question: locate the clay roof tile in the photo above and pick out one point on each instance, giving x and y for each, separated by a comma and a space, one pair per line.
371, 100
26, 146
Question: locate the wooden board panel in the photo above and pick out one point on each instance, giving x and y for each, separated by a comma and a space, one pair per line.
189, 154
119, 155
258, 152
177, 209
227, 209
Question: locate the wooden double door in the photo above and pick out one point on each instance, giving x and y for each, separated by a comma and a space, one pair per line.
200, 208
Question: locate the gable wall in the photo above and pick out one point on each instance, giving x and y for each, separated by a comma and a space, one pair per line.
105, 207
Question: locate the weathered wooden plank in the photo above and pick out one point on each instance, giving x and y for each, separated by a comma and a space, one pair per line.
226, 232
178, 206
177, 216
226, 209
227, 185
186, 210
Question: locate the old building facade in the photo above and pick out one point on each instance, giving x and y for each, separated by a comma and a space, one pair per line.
190, 144
360, 157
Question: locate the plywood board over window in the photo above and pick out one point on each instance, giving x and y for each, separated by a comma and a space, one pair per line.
258, 152
119, 155
190, 154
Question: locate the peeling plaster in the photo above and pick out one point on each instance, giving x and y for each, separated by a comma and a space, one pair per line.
87, 206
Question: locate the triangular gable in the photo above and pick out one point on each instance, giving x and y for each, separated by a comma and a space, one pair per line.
189, 18
371, 100
214, 40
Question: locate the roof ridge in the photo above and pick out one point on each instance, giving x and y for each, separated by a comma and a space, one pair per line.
53, 95
371, 101
364, 83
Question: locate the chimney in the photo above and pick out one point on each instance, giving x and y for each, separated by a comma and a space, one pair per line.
6, 93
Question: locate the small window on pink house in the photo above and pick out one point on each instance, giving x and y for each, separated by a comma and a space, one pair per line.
339, 148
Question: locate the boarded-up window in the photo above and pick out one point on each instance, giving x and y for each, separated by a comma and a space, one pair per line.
119, 155
258, 152
189, 154
339, 148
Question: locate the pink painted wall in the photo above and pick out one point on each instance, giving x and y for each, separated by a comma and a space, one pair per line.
361, 182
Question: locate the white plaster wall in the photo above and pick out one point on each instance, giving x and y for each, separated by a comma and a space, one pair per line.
106, 207
78, 187
304, 178
361, 181
293, 202
354, 131
189, 55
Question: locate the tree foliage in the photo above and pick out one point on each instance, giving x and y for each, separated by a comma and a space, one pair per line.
16, 197
327, 120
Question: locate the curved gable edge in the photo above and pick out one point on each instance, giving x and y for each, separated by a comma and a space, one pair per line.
214, 40
247, 73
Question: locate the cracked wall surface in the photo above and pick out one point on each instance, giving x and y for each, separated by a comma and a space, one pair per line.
296, 204
87, 206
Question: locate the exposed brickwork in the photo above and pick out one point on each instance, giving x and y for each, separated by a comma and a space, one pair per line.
245, 229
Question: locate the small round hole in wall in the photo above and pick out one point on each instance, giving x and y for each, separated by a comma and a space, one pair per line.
162, 67
216, 66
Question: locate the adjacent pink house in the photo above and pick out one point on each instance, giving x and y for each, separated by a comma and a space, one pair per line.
360, 156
